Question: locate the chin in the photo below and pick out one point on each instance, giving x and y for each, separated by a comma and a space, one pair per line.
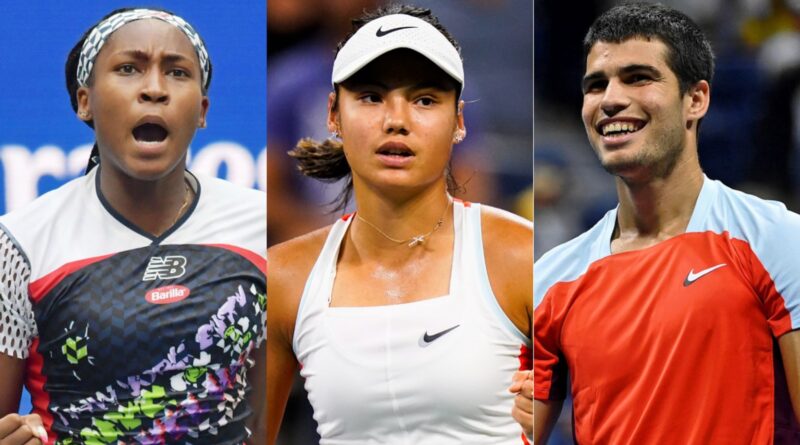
150, 170
617, 164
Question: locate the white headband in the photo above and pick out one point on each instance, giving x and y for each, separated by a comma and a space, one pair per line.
392, 32
97, 38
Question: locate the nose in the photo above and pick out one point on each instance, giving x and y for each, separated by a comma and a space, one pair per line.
154, 88
614, 98
396, 119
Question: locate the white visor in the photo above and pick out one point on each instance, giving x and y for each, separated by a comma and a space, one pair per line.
392, 32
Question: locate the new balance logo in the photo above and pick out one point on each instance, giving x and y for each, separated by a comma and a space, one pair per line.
165, 268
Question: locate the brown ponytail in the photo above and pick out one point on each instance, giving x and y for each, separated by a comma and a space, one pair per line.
326, 162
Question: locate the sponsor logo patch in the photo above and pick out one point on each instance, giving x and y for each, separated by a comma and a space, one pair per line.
165, 268
167, 294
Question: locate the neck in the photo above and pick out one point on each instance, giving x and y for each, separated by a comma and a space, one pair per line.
659, 207
399, 219
153, 206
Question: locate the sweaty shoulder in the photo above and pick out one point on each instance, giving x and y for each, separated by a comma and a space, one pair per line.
507, 238
568, 261
508, 250
290, 264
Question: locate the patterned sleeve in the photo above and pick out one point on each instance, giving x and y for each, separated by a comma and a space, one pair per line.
17, 324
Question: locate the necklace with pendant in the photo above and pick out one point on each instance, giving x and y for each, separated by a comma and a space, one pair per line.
417, 240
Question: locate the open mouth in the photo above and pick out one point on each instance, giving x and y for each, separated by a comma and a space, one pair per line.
150, 133
614, 129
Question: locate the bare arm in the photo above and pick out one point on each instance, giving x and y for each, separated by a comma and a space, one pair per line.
508, 250
281, 367
290, 265
545, 415
790, 351
12, 371
257, 378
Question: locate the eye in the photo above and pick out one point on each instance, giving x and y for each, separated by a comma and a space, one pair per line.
426, 101
126, 68
595, 86
178, 72
370, 98
639, 78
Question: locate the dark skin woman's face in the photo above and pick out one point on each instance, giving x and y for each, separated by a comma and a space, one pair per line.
145, 99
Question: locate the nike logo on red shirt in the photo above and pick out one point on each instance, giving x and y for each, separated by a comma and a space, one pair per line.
692, 277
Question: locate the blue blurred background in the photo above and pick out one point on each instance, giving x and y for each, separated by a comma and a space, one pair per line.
43, 144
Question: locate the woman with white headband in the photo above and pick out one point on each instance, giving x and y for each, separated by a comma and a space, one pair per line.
410, 318
133, 298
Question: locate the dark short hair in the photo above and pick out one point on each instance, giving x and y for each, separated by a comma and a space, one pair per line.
689, 53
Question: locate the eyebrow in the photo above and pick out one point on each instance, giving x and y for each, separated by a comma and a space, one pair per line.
627, 69
144, 56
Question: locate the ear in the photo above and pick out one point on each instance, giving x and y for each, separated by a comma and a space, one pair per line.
697, 100
204, 103
461, 130
84, 107
333, 114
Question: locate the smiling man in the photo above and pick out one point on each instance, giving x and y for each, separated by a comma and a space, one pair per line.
676, 316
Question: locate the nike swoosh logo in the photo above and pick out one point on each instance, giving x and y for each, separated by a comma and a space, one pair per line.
428, 339
692, 277
380, 32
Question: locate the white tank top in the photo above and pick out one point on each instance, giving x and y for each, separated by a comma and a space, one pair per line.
434, 371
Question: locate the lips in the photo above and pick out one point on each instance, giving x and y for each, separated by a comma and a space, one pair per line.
395, 149
395, 155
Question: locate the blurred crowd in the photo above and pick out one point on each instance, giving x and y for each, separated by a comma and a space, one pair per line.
750, 138
493, 164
